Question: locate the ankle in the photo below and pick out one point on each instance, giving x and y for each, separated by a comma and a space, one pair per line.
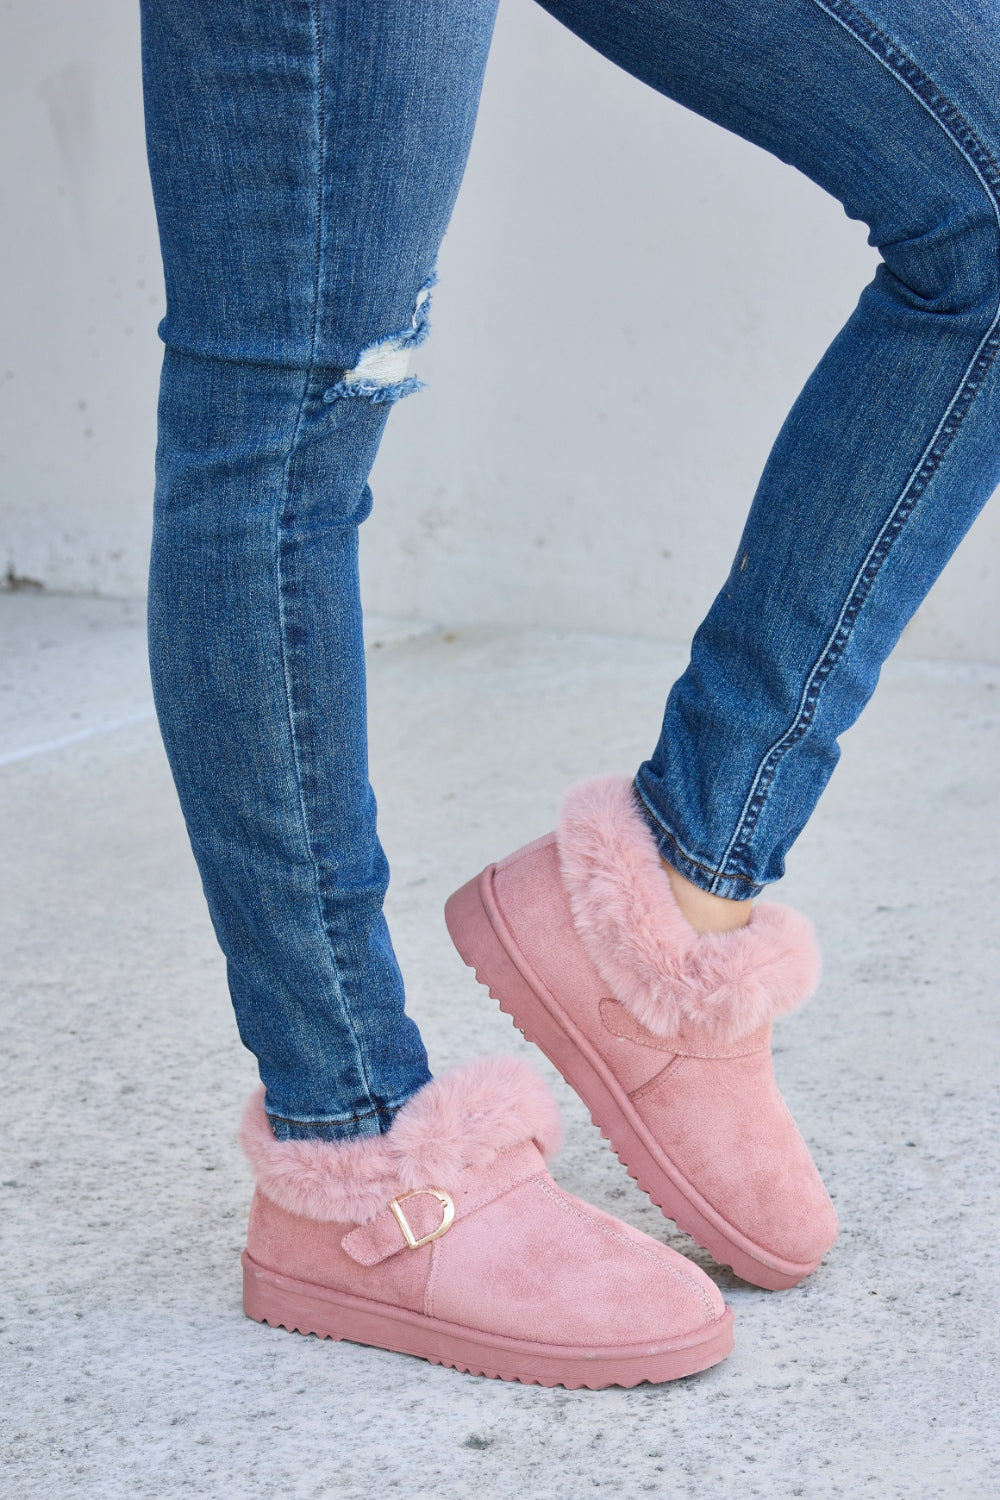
704, 912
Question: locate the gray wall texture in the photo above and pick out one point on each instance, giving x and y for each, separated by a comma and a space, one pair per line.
630, 300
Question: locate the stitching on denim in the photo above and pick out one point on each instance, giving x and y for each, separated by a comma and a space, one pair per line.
280, 550
986, 169
689, 859
369, 1114
320, 173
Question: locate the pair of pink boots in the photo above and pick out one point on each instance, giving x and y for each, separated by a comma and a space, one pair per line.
447, 1237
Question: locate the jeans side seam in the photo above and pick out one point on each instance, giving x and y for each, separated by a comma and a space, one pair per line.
280, 547
985, 168
320, 174
948, 116
685, 862
290, 712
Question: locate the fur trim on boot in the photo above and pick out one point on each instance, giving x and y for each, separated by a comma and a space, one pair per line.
459, 1120
668, 975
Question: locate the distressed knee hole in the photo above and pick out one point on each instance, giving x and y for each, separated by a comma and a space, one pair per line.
381, 373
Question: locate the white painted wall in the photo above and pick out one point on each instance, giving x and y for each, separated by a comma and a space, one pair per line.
630, 300
80, 295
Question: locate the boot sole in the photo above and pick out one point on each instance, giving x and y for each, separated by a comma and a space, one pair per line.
302, 1307
483, 939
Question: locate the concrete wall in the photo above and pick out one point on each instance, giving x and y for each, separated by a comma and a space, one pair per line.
630, 300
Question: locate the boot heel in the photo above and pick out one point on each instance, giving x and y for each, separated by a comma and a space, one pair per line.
271, 1298
468, 921
472, 932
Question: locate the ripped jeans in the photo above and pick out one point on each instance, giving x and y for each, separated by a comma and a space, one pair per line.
305, 158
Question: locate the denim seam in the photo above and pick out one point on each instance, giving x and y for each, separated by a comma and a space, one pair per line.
689, 859
320, 173
280, 552
290, 710
370, 1114
958, 130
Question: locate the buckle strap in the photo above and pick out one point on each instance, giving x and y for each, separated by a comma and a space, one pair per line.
447, 1218
431, 1211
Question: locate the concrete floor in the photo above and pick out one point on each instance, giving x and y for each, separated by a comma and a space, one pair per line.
129, 1370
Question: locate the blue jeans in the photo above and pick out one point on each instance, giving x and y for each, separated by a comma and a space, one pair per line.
305, 158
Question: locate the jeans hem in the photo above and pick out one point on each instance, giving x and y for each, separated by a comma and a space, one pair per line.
373, 1122
698, 872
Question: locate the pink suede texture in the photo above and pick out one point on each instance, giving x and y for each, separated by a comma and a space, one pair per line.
744, 1154
381, 1236
577, 1276
705, 1092
522, 1259
310, 1250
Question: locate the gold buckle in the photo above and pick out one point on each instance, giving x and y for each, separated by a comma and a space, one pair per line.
445, 1224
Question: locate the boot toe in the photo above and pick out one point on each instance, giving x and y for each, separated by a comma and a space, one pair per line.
544, 1265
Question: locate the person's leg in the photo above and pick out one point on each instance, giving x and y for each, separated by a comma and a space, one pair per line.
893, 446
305, 159
886, 458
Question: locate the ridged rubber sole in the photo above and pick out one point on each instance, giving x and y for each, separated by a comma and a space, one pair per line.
486, 944
302, 1307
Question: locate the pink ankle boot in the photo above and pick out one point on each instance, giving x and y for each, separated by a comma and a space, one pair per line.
447, 1238
663, 1032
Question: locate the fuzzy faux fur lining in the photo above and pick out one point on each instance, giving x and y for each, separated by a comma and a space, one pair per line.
461, 1119
668, 975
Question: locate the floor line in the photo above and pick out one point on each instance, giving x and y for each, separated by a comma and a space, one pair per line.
73, 739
